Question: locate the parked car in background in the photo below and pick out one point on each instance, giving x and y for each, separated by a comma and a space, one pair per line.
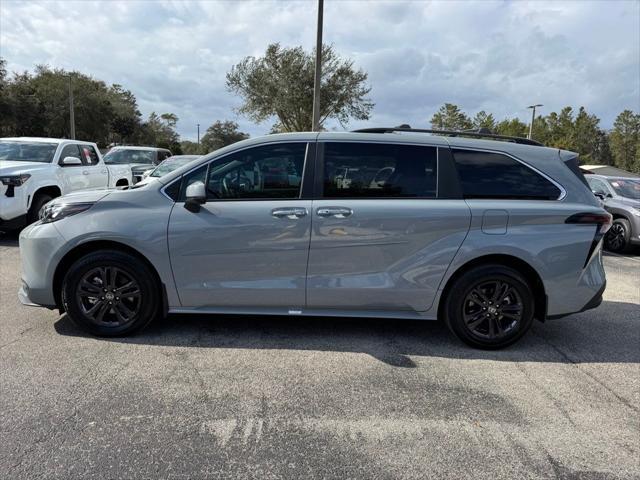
487, 235
169, 165
621, 197
33, 171
139, 159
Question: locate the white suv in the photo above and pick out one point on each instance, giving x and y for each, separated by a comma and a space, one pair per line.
33, 171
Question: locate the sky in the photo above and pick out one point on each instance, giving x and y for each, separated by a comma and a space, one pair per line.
481, 55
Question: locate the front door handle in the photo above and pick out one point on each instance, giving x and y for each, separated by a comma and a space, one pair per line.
85, 172
291, 213
338, 212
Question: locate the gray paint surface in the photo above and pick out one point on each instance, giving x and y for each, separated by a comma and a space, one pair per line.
389, 258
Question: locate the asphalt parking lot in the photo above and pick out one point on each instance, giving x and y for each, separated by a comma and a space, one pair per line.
245, 397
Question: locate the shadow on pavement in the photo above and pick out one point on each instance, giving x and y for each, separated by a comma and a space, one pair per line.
609, 334
9, 239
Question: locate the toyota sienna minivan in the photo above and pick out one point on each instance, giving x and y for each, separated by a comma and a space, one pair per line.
485, 234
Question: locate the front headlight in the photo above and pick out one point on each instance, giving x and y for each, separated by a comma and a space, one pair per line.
57, 211
14, 180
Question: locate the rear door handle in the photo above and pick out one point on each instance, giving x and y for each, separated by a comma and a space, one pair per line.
85, 172
338, 212
291, 213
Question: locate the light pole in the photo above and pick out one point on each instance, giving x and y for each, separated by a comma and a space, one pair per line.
533, 117
72, 120
198, 134
315, 121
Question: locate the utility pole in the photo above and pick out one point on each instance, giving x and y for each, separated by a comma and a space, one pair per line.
533, 117
198, 134
72, 120
315, 121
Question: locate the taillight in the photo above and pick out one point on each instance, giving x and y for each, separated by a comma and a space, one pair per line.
602, 219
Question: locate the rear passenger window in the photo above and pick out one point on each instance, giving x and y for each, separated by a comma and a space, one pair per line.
492, 175
374, 170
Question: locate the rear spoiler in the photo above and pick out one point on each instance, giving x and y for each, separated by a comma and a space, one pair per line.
571, 160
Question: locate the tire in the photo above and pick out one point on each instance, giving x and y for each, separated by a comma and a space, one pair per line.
99, 277
484, 320
617, 238
38, 202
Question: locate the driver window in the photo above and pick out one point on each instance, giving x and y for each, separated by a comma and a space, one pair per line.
70, 151
266, 172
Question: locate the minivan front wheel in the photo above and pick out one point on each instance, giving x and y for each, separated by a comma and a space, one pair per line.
110, 293
490, 307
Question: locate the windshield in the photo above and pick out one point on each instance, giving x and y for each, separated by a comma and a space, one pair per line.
626, 187
27, 151
171, 164
121, 156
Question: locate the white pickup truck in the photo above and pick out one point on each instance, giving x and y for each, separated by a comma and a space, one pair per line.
35, 170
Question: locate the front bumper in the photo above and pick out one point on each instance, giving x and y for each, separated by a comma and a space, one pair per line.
41, 248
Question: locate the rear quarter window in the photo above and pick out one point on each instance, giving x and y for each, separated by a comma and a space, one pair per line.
493, 175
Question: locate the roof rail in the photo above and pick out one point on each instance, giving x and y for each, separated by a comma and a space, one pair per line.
479, 133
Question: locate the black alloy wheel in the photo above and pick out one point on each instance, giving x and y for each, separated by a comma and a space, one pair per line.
492, 309
111, 293
489, 306
108, 296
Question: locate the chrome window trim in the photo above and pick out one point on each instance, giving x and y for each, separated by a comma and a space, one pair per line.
208, 161
563, 192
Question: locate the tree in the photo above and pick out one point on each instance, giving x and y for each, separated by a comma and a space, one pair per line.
280, 85
484, 120
587, 138
190, 148
220, 134
38, 105
625, 141
160, 131
512, 128
450, 117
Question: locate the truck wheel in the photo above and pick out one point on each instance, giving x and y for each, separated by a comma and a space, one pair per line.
489, 307
110, 293
617, 238
38, 202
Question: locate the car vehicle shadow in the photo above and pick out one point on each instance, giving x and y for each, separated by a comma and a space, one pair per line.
609, 334
9, 239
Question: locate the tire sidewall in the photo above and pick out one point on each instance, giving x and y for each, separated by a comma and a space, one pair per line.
129, 264
464, 285
38, 202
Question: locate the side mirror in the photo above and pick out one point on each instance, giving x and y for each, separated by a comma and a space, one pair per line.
70, 161
195, 196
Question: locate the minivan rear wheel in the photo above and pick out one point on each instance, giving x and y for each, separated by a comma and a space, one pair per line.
110, 293
489, 307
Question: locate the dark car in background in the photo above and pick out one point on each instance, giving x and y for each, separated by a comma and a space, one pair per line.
621, 197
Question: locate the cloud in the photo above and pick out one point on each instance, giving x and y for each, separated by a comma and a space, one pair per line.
497, 56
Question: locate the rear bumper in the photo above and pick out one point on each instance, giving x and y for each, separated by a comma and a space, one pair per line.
595, 302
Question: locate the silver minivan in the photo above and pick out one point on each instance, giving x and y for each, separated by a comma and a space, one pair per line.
396, 223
